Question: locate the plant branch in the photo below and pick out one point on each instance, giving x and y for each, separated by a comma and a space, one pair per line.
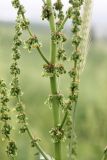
62, 24
38, 48
39, 148
37, 145
40, 52
64, 120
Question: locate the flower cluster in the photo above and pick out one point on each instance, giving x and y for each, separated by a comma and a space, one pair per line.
50, 70
74, 12
61, 54
46, 11
76, 3
58, 37
32, 42
14, 68
57, 134
21, 24
69, 12
4, 110
11, 149
76, 56
58, 97
21, 116
58, 6
16, 4
5, 117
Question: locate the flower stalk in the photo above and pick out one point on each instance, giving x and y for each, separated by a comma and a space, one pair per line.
53, 82
5, 118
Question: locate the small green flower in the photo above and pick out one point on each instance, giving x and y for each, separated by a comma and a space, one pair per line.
15, 91
21, 10
58, 5
14, 69
15, 3
21, 118
58, 37
57, 134
49, 70
24, 24
69, 12
46, 12
72, 73
6, 129
61, 54
4, 117
11, 149
60, 69
23, 128
31, 43
20, 107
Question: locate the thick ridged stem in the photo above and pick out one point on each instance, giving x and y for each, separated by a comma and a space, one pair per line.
53, 82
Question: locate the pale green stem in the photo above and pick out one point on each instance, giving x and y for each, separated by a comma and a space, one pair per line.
64, 120
37, 145
53, 82
62, 24
104, 154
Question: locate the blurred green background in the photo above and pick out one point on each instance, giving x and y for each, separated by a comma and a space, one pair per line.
91, 117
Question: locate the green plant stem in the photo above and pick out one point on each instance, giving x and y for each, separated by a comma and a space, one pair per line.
62, 24
37, 145
104, 154
43, 57
53, 83
64, 120
38, 48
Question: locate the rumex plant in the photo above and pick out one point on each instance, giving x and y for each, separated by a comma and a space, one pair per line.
64, 107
